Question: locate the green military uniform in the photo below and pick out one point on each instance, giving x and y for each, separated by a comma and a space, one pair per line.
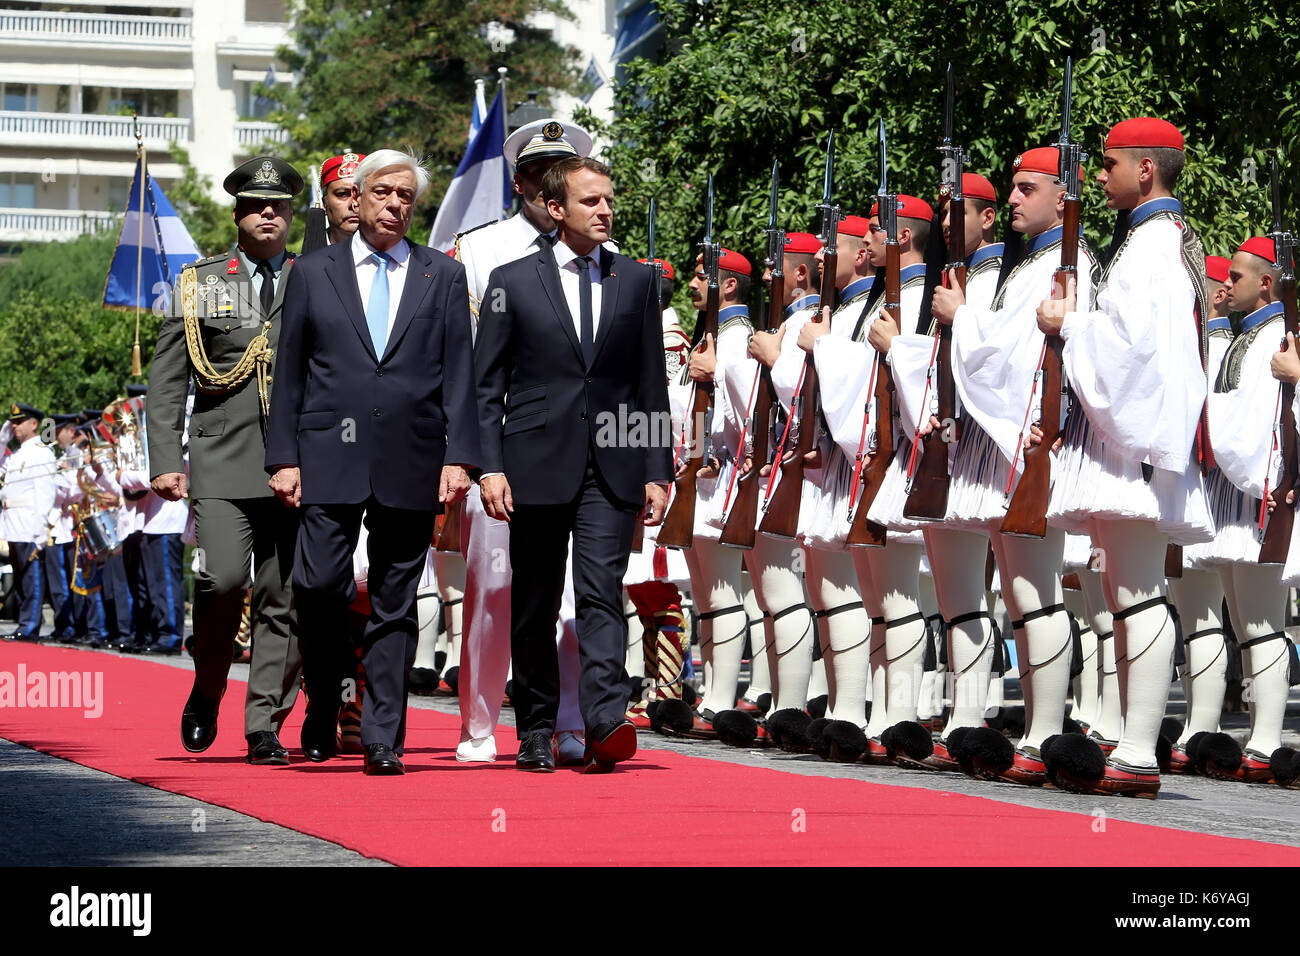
228, 353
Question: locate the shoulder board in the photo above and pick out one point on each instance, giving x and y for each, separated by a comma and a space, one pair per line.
481, 225
210, 260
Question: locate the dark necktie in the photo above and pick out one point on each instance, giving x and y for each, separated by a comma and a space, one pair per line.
268, 285
584, 304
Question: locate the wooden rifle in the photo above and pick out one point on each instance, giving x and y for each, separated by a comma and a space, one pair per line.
1027, 511
678, 530
1277, 535
739, 529
927, 497
864, 533
781, 511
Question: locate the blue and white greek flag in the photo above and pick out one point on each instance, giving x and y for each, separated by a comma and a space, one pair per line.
155, 237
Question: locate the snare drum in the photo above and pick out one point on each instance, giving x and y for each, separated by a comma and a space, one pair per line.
99, 534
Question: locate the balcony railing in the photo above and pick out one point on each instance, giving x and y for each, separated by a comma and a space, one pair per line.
46, 26
251, 134
89, 130
51, 225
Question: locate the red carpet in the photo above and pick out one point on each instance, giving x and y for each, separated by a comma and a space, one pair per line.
663, 809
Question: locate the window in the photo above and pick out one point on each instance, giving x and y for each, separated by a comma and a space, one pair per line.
19, 96
254, 106
264, 11
120, 102
17, 190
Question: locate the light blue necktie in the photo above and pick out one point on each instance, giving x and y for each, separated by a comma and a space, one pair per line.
377, 307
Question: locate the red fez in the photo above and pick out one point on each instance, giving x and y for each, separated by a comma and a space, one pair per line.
1216, 268
1044, 159
855, 226
1144, 132
802, 242
975, 186
340, 167
1260, 246
668, 267
909, 207
735, 262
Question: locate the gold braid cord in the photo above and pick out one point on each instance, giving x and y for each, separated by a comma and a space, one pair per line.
255, 360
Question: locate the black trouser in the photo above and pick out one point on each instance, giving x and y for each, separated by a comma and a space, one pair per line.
26, 560
601, 526
141, 617
56, 588
116, 592
324, 586
162, 557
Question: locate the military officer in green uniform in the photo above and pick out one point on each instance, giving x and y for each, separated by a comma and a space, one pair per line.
221, 334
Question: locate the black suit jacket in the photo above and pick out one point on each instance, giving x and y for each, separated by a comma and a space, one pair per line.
357, 423
558, 409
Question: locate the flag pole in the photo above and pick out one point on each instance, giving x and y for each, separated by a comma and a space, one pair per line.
136, 366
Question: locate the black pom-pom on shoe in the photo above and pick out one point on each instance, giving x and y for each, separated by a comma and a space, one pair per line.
672, 717
991, 753
908, 744
1073, 763
451, 676
1218, 756
763, 703
820, 747
843, 741
788, 729
1284, 764
817, 706
957, 749
1193, 748
736, 729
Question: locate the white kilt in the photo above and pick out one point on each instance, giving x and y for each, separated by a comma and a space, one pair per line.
1095, 479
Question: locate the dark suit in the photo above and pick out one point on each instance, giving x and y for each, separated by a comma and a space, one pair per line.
235, 513
370, 435
552, 439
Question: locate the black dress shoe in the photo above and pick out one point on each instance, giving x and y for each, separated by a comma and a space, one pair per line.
199, 722
609, 744
264, 749
320, 738
536, 753
382, 762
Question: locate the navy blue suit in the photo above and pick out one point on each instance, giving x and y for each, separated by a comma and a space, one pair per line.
565, 433
370, 435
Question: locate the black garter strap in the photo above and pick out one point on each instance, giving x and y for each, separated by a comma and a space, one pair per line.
1076, 648
710, 615
1035, 615
780, 614
452, 603
1293, 663
836, 610
1223, 636
994, 634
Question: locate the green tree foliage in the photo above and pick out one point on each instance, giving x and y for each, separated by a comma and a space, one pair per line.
58, 349
741, 82
401, 74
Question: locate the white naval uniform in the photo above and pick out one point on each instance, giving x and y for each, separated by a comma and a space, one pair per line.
29, 492
1134, 364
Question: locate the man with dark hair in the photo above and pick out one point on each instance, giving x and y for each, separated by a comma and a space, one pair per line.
484, 651
563, 390
222, 335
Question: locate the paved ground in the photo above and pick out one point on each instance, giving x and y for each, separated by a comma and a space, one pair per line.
57, 812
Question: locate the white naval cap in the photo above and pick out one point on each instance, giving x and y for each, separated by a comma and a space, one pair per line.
549, 138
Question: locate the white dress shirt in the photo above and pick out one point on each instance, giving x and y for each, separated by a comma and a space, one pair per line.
569, 264
367, 268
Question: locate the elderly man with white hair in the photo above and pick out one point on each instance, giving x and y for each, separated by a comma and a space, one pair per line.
373, 415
